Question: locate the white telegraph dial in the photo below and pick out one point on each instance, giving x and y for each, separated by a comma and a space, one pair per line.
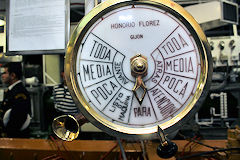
132, 66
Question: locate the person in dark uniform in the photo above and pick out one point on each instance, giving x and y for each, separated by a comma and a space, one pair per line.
16, 105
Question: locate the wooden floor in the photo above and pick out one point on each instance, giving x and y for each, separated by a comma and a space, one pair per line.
42, 149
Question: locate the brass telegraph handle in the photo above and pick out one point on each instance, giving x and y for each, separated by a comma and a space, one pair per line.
139, 69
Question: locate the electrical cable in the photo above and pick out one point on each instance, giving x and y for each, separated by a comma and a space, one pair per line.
107, 153
185, 146
194, 144
206, 153
57, 156
120, 155
198, 142
68, 153
55, 144
50, 157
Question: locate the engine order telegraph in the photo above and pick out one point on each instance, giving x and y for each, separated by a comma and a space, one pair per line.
134, 66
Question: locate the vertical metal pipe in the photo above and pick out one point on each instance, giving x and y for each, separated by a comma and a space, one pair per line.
121, 148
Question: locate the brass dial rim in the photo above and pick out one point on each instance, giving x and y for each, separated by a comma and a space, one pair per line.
115, 129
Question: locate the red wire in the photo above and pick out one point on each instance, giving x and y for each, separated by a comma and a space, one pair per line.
52, 156
120, 155
192, 145
69, 153
106, 154
56, 145
186, 146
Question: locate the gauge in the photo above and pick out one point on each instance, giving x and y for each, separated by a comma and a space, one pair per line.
132, 66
